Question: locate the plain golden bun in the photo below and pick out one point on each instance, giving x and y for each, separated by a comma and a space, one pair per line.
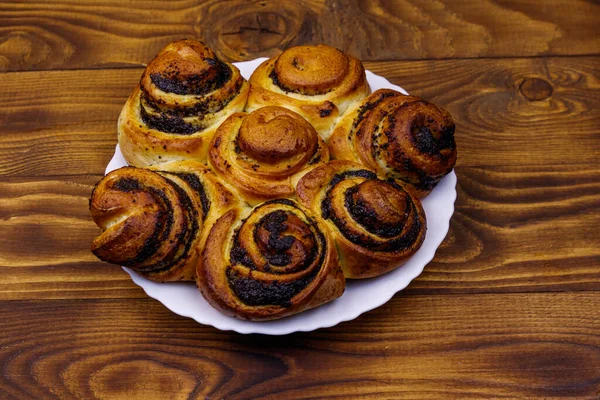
317, 82
264, 153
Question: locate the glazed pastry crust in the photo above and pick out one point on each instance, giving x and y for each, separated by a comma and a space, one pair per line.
263, 154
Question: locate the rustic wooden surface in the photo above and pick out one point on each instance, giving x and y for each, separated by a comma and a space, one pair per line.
509, 307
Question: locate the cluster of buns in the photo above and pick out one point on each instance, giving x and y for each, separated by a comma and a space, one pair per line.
269, 193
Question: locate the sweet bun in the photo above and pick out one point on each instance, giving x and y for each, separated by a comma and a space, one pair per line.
268, 262
377, 224
156, 221
402, 137
317, 82
233, 186
264, 153
184, 94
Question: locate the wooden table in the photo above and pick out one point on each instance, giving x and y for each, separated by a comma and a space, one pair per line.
509, 307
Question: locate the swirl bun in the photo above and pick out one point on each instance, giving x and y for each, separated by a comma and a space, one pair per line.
269, 262
404, 137
317, 82
377, 224
184, 95
156, 222
264, 153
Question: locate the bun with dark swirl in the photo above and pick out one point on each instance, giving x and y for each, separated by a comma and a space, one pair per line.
377, 224
184, 95
403, 137
156, 221
317, 82
264, 153
268, 262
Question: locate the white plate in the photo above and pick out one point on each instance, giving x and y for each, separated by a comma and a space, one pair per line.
360, 296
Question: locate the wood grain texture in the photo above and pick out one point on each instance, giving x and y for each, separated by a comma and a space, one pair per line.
520, 229
419, 347
509, 306
69, 34
60, 122
64, 122
45, 243
515, 229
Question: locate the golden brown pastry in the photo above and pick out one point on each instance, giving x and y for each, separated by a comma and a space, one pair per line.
269, 262
156, 222
377, 224
403, 137
184, 95
264, 153
317, 82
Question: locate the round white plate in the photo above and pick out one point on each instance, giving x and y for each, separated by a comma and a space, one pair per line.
360, 296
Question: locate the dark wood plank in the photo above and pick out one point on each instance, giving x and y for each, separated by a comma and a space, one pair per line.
515, 229
544, 345
520, 229
46, 236
89, 34
64, 122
